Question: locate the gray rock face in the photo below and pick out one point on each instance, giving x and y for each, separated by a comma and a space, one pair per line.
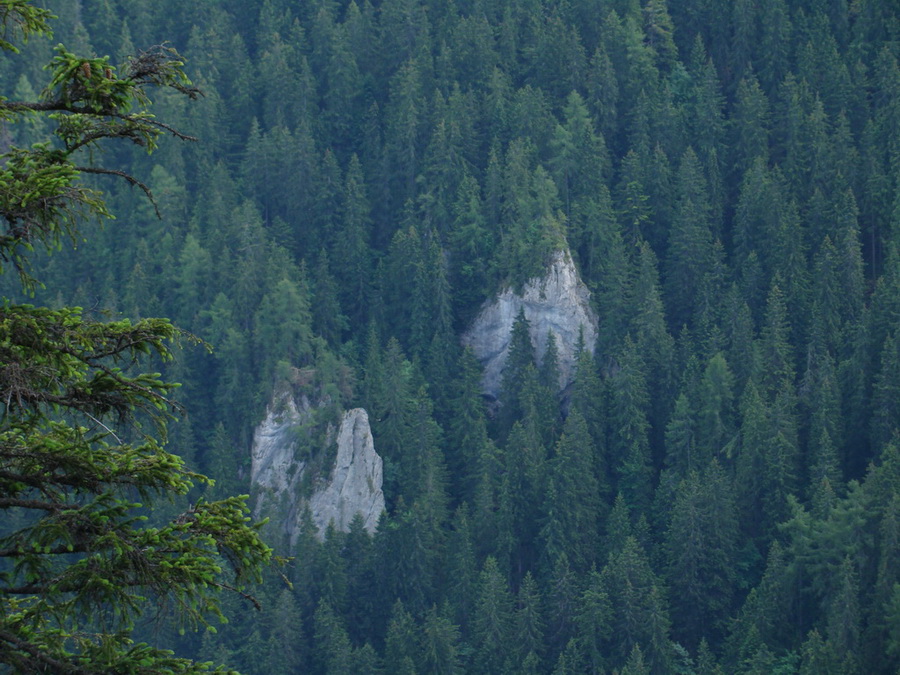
273, 466
558, 302
277, 474
355, 485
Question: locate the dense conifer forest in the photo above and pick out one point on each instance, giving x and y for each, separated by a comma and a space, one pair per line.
719, 489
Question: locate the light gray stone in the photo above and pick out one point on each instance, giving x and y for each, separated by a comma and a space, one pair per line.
557, 302
273, 465
277, 474
356, 480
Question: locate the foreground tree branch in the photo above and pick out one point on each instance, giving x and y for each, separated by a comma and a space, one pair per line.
82, 430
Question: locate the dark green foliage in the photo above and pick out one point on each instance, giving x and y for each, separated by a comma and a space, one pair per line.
724, 176
492, 623
572, 504
629, 428
701, 549
467, 434
82, 431
401, 646
520, 361
715, 423
638, 612
333, 649
529, 623
594, 622
440, 648
690, 255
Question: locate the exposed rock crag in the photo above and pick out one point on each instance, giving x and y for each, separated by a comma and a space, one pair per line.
558, 302
273, 465
355, 484
282, 489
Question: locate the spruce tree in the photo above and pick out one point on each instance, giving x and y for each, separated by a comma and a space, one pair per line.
71, 442
519, 358
439, 645
594, 622
492, 623
701, 548
574, 516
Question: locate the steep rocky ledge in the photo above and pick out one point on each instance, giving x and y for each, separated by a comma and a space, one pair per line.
557, 302
279, 474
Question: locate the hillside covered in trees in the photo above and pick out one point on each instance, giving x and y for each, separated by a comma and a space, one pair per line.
718, 491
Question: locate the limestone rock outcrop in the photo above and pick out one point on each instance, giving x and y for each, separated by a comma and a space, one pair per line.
280, 465
557, 302
355, 483
273, 466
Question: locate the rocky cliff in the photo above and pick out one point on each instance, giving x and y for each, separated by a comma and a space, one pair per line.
557, 302
355, 483
287, 474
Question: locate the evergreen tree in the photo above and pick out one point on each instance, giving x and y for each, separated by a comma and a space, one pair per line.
594, 621
519, 359
439, 645
331, 577
525, 483
776, 354
357, 554
529, 624
328, 320
352, 245
715, 427
560, 597
701, 548
403, 560
638, 610
467, 434
461, 573
401, 649
629, 429
750, 125
815, 656
333, 648
78, 574
472, 243
283, 327
635, 665
579, 162
492, 623
885, 398
843, 627
690, 241
572, 503
633, 208
612, 279
652, 341
681, 438
659, 29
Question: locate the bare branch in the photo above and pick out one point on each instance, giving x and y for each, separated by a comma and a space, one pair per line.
96, 421
128, 177
41, 655
9, 502
244, 595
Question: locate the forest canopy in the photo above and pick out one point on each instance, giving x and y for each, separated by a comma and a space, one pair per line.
717, 489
